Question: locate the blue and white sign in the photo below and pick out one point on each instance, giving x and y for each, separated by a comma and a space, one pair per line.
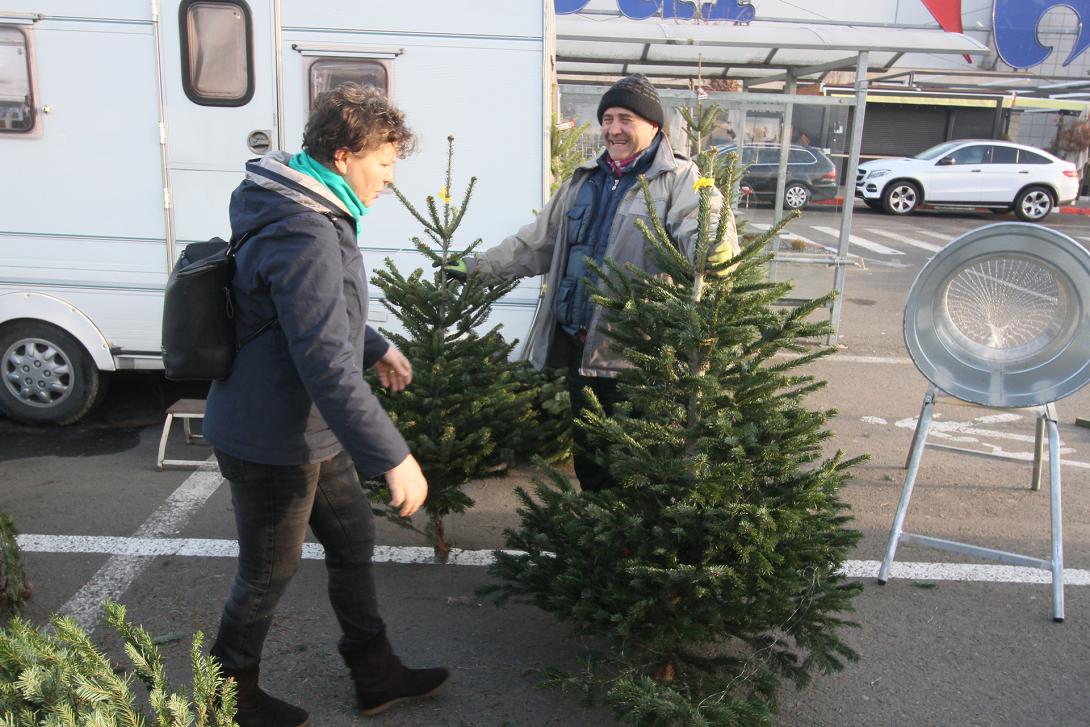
739, 11
1016, 21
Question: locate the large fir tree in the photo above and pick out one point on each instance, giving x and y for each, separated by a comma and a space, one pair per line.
468, 406
712, 569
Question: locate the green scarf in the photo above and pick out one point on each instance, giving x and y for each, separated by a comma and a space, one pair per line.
305, 163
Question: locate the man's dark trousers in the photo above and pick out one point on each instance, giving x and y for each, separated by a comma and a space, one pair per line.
589, 469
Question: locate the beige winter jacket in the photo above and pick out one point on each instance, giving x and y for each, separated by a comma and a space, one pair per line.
541, 247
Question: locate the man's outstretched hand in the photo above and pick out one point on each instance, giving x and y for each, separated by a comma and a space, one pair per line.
456, 270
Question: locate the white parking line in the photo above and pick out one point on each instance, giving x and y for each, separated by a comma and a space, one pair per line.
907, 240
945, 237
808, 241
147, 548
119, 572
861, 242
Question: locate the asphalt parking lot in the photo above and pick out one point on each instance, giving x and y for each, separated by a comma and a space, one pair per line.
950, 644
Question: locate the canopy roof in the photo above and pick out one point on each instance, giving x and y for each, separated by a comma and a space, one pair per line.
589, 46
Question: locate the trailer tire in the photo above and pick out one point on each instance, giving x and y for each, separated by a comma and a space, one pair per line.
46, 375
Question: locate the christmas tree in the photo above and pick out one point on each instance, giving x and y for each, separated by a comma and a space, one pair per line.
14, 588
711, 570
468, 406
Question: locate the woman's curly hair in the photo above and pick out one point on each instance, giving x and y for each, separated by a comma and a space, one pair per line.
357, 118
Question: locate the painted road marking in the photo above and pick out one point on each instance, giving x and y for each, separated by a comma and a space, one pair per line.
907, 240
148, 548
898, 360
787, 233
119, 572
945, 237
861, 242
968, 432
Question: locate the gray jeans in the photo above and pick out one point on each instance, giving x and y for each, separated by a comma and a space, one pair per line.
273, 506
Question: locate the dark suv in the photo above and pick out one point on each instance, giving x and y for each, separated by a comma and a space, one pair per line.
810, 174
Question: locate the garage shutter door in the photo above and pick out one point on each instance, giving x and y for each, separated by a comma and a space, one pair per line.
902, 129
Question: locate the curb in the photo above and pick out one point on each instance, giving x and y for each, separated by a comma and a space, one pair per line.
1069, 210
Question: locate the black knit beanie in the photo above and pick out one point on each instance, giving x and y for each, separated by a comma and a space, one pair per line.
636, 94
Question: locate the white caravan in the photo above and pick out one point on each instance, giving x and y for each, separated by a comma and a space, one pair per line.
125, 124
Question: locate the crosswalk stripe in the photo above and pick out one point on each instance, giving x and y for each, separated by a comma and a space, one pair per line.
861, 242
907, 240
945, 237
807, 240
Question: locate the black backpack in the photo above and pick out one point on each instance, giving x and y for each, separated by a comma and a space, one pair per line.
199, 312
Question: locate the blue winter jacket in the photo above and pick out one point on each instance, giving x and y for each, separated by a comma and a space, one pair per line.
296, 393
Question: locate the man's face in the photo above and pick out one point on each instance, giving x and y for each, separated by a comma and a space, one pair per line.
625, 133
367, 172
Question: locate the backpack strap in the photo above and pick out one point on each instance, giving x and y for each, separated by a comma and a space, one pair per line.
232, 250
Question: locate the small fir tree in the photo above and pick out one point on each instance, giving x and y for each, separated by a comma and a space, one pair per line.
14, 589
712, 569
565, 153
59, 677
468, 405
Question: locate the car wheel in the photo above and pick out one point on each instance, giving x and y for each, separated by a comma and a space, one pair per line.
1033, 204
47, 376
900, 198
796, 196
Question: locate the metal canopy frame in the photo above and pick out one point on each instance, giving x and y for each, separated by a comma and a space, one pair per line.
597, 48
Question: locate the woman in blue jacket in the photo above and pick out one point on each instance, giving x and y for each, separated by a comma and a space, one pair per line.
295, 415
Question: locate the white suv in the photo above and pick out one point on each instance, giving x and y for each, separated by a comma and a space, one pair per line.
970, 173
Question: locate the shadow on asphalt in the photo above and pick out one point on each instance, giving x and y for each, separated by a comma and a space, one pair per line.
135, 401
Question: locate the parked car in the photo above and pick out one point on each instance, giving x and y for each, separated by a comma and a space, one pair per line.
974, 173
810, 174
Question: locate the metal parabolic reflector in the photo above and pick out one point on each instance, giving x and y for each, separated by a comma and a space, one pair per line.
1001, 316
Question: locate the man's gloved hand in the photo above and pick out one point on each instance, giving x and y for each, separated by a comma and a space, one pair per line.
457, 270
720, 255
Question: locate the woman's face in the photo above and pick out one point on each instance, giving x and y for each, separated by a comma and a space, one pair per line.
367, 172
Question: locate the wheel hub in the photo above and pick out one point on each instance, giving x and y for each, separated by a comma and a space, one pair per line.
1036, 205
37, 372
903, 199
796, 197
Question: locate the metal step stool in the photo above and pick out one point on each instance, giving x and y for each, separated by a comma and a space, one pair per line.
187, 410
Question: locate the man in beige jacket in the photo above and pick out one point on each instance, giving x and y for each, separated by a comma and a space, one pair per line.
592, 217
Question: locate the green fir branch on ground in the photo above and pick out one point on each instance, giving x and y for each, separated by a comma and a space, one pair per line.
58, 676
713, 569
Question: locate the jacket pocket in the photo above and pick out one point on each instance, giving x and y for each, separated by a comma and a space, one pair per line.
565, 301
638, 207
577, 223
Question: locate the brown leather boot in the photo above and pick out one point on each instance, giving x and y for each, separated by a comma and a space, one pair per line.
382, 680
258, 709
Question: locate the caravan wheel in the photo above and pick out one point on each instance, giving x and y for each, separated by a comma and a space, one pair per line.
47, 376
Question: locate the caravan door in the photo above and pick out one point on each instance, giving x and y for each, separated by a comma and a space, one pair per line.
219, 88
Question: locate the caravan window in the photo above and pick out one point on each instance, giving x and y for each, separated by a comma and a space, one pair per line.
217, 52
16, 95
328, 73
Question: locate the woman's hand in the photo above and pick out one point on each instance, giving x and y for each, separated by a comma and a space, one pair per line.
408, 488
394, 370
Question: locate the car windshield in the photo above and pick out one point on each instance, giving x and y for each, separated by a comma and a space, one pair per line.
937, 151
